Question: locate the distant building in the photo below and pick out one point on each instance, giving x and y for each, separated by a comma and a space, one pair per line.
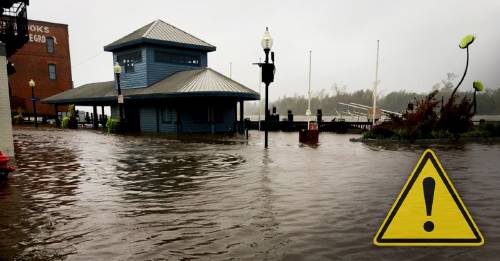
166, 84
44, 58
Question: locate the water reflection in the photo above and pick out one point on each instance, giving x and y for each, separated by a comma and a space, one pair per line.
28, 219
87, 195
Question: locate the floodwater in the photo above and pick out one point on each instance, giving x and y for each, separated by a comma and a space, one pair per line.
84, 195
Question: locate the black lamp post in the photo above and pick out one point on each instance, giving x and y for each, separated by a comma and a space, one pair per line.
268, 70
33, 100
118, 70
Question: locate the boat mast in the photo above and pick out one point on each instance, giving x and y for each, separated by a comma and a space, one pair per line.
374, 108
308, 112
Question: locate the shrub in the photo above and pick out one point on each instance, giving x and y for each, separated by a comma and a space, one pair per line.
456, 117
113, 125
65, 122
484, 129
442, 134
19, 118
369, 135
429, 120
70, 121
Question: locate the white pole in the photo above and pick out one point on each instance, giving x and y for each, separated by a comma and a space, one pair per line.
260, 92
6, 138
374, 108
231, 70
308, 112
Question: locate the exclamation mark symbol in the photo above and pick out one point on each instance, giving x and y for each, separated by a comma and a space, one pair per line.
429, 185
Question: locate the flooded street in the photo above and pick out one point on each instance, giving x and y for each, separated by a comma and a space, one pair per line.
84, 195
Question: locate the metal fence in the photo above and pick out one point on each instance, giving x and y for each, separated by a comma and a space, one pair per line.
14, 24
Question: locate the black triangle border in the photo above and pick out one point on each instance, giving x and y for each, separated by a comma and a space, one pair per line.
428, 156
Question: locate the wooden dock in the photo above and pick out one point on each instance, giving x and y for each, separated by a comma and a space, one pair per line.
324, 126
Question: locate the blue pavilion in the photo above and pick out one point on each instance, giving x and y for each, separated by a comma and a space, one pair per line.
166, 84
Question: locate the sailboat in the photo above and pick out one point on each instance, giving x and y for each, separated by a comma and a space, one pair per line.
311, 134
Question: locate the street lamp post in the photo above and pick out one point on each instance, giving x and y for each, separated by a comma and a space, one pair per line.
33, 100
268, 70
118, 70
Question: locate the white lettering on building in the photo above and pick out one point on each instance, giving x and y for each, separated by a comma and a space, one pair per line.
38, 33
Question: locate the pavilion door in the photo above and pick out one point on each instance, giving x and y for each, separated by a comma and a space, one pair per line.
132, 116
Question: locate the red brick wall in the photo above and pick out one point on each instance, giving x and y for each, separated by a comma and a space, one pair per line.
32, 61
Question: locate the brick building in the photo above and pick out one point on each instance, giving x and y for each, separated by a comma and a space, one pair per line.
45, 58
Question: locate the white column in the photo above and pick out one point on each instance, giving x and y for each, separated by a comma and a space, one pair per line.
6, 140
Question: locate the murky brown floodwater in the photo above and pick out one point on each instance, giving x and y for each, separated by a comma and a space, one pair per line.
82, 195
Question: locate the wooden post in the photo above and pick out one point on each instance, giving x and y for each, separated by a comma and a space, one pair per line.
211, 118
56, 110
95, 121
157, 109
241, 116
247, 125
235, 124
103, 122
178, 117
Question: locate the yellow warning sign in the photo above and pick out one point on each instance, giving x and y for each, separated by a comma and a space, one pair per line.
428, 211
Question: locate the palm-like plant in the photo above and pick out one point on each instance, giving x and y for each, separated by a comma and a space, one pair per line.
456, 117
464, 44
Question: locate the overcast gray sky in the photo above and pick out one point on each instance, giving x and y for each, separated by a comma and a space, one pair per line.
419, 39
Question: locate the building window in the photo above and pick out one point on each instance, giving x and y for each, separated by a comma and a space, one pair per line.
167, 114
129, 60
184, 59
50, 45
52, 72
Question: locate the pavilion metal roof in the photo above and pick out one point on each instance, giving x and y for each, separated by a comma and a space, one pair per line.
203, 82
161, 33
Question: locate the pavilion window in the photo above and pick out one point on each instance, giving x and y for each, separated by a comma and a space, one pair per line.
167, 114
52, 72
184, 59
129, 60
